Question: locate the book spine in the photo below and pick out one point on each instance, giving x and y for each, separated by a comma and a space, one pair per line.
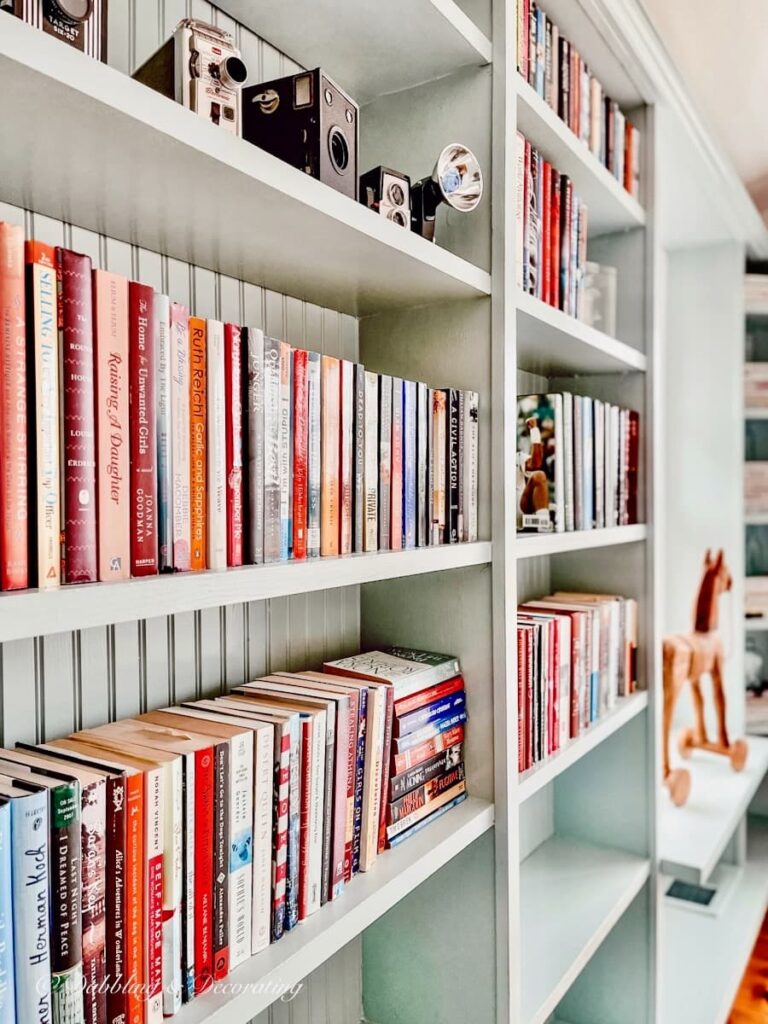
371, 469
633, 463
43, 405
221, 829
471, 441
452, 465
317, 799
462, 466
439, 467
519, 209
410, 506
362, 724
330, 386
421, 774
271, 450
110, 294
233, 391
424, 822
286, 511
422, 458
437, 710
204, 849
66, 935
346, 456
385, 460
163, 387
180, 463
406, 759
396, 480
358, 493
427, 696
173, 854
408, 820
281, 792
93, 827
134, 905
153, 897
374, 766
294, 820
313, 454
143, 428
304, 826
255, 442
425, 794
7, 979
389, 714
546, 268
31, 902
300, 451
188, 890
78, 418
240, 847
116, 881
327, 809
14, 553
340, 789
264, 776
216, 453
349, 826
198, 501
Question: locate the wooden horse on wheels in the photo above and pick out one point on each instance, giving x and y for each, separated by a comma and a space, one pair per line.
688, 657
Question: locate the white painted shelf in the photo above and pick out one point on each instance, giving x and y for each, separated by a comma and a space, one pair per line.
705, 957
41, 612
551, 343
197, 193
376, 50
534, 545
611, 207
692, 838
756, 625
250, 988
542, 774
572, 894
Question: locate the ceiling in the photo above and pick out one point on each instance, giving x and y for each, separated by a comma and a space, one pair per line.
720, 51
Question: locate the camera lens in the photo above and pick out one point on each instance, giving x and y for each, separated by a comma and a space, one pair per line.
75, 11
338, 149
397, 216
233, 72
396, 194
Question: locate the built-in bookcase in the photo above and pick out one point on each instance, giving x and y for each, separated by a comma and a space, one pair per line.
537, 898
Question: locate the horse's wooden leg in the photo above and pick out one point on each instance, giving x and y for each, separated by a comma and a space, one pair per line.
671, 689
719, 695
700, 729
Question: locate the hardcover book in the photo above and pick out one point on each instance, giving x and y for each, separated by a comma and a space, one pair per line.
410, 507
180, 457
7, 979
233, 407
396, 477
285, 451
330, 399
452, 466
346, 457
300, 451
216, 453
313, 454
371, 468
254, 438
358, 476
437, 458
198, 501
164, 446
385, 461
471, 436
540, 505
143, 420
272, 476
423, 494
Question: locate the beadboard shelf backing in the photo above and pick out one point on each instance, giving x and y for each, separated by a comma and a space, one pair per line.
535, 545
611, 207
137, 166
692, 838
551, 343
705, 956
41, 612
572, 894
542, 774
369, 51
366, 898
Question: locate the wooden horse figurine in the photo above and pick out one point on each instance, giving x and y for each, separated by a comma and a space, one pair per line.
688, 657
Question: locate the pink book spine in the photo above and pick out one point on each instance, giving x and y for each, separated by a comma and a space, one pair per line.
110, 292
396, 514
180, 442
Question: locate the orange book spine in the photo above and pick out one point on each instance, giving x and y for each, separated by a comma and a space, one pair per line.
197, 440
330, 394
134, 902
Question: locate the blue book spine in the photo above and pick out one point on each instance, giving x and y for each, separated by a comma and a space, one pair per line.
410, 512
294, 826
396, 840
31, 901
588, 462
413, 739
439, 709
362, 724
7, 980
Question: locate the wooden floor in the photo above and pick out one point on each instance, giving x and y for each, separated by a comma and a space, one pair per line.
751, 1006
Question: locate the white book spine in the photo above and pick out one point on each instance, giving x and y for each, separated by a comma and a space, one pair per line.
188, 924
164, 448
216, 439
564, 715
599, 464
316, 818
255, 444
272, 494
374, 745
241, 793
154, 841
180, 439
567, 450
173, 874
313, 455
471, 442
422, 442
31, 901
285, 450
371, 470
263, 777
520, 206
347, 429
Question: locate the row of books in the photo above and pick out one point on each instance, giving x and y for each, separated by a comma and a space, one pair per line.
142, 861
576, 655
551, 232
577, 463
556, 70
136, 438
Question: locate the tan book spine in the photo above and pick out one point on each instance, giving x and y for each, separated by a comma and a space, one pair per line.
330, 385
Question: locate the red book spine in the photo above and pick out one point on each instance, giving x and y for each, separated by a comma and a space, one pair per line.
306, 795
424, 697
143, 431
234, 427
416, 755
530, 724
554, 241
78, 437
520, 702
14, 557
204, 800
134, 899
554, 657
116, 932
280, 860
221, 826
300, 452
197, 442
633, 466
546, 232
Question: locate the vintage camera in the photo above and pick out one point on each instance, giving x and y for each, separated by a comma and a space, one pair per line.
81, 23
201, 68
309, 122
388, 193
456, 180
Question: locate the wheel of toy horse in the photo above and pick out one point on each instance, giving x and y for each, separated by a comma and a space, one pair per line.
738, 754
678, 782
685, 742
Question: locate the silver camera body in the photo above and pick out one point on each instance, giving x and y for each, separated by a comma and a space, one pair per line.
388, 193
201, 68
